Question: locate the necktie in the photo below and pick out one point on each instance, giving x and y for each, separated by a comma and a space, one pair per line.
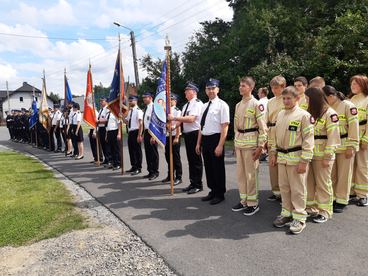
144, 116
184, 114
203, 120
130, 119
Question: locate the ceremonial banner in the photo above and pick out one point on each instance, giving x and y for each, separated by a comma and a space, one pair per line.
34, 116
44, 117
157, 127
68, 97
116, 95
89, 114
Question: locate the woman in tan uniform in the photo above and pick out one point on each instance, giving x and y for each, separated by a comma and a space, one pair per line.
326, 139
342, 170
359, 88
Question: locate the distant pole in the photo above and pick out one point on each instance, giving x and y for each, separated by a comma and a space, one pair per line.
132, 39
7, 95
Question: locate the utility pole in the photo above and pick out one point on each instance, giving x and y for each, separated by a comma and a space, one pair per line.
132, 40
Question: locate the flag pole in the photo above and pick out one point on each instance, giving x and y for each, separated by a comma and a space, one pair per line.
48, 123
94, 114
66, 119
168, 100
121, 88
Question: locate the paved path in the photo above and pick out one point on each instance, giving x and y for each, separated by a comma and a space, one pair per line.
198, 239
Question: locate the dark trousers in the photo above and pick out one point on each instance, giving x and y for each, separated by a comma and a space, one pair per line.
114, 149
74, 139
194, 160
93, 144
63, 135
151, 154
58, 137
176, 157
105, 148
135, 150
52, 140
214, 166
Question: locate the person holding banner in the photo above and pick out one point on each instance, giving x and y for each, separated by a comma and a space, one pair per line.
150, 145
113, 134
174, 127
101, 124
77, 132
134, 121
190, 127
55, 129
215, 120
93, 143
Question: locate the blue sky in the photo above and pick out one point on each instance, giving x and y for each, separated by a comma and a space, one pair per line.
69, 25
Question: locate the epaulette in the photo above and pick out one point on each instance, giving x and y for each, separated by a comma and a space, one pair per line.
198, 100
176, 108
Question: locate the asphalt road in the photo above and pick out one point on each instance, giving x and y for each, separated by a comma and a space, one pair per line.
198, 239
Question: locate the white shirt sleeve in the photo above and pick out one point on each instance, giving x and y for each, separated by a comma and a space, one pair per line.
225, 113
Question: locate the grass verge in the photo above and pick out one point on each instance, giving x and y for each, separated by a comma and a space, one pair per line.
34, 205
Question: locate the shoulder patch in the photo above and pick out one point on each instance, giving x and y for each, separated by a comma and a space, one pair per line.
198, 100
176, 108
334, 118
261, 107
312, 120
353, 111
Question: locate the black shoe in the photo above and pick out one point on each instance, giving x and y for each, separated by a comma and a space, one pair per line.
130, 170
147, 176
274, 198
194, 191
362, 202
177, 181
107, 165
251, 210
93, 161
338, 207
186, 189
115, 168
138, 171
207, 197
239, 207
167, 179
216, 200
154, 176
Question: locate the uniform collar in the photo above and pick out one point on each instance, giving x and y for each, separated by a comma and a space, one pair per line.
247, 99
291, 109
214, 100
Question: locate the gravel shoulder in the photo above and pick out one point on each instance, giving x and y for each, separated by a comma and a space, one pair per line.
108, 247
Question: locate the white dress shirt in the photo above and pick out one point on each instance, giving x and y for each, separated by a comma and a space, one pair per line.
56, 116
136, 114
194, 109
70, 117
175, 111
77, 118
218, 113
102, 114
147, 115
112, 123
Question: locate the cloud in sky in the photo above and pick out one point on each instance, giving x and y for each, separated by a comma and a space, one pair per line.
24, 58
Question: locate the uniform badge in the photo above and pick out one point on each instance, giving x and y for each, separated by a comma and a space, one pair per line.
353, 111
261, 107
312, 120
334, 118
293, 128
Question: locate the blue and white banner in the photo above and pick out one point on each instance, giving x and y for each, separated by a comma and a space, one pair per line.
157, 127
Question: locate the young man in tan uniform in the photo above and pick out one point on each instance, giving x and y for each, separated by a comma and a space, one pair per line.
274, 106
250, 137
301, 84
292, 151
342, 170
326, 140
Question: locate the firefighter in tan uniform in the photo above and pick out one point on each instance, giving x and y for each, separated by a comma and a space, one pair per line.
326, 140
301, 84
250, 137
292, 152
342, 169
274, 106
359, 87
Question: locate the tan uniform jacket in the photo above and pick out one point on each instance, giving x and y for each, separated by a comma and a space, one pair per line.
328, 127
361, 102
249, 115
348, 125
274, 106
303, 104
294, 129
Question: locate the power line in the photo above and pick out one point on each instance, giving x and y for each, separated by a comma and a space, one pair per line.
58, 38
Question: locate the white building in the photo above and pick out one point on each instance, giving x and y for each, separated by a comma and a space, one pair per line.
20, 98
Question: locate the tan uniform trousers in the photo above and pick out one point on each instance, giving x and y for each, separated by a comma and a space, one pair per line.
319, 189
360, 175
247, 171
293, 192
342, 173
274, 179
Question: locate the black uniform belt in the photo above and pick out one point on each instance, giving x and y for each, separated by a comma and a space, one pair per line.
271, 124
320, 137
248, 130
289, 150
361, 123
343, 135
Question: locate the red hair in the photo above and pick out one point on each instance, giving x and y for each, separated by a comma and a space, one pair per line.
362, 81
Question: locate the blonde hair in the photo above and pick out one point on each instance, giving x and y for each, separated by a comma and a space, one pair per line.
278, 81
249, 80
290, 90
317, 82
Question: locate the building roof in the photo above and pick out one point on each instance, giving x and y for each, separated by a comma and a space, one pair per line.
26, 87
